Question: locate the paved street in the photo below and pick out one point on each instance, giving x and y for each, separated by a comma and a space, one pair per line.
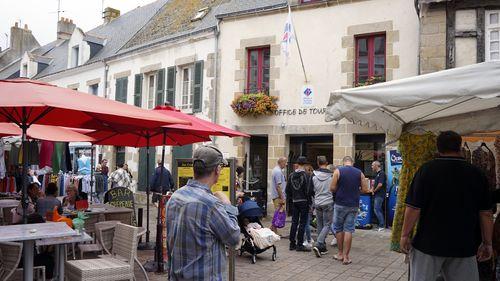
370, 255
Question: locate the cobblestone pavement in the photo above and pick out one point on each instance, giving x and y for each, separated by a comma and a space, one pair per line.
370, 254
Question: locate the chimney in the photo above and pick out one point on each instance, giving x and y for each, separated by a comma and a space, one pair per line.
21, 39
110, 14
65, 28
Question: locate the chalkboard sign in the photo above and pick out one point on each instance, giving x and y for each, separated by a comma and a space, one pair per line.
121, 197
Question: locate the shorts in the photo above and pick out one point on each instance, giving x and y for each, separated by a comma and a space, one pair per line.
344, 218
426, 267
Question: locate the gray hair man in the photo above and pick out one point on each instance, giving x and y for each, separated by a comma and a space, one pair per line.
200, 224
278, 185
378, 192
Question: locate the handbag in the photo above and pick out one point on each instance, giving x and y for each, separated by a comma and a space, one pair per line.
279, 218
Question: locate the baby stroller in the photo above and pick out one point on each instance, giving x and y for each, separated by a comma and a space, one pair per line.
250, 212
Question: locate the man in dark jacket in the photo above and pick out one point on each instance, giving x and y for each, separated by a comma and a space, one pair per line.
162, 181
298, 193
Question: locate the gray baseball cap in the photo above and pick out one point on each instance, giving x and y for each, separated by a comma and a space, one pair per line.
209, 155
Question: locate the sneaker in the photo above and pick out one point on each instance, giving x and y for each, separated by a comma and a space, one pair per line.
303, 249
292, 247
306, 244
323, 251
380, 229
334, 242
317, 252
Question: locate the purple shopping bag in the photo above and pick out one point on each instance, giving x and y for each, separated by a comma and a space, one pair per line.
279, 218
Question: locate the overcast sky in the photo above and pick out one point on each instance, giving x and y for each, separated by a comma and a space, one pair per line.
41, 15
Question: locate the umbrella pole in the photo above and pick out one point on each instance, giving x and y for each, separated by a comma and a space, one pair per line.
147, 189
159, 226
91, 172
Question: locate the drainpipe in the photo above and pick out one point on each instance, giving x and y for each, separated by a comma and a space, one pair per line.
216, 76
106, 70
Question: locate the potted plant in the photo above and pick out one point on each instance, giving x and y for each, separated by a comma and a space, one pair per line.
370, 81
254, 104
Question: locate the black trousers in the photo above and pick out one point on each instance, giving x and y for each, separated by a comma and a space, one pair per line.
300, 211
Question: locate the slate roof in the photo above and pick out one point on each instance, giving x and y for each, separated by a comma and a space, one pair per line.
174, 21
114, 34
10, 69
237, 7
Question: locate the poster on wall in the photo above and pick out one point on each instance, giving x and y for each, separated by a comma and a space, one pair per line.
307, 95
394, 164
185, 173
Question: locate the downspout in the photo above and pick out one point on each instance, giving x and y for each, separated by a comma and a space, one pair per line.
216, 76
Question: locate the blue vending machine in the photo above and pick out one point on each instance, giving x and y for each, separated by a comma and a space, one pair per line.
394, 164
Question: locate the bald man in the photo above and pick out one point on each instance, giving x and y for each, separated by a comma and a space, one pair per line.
278, 185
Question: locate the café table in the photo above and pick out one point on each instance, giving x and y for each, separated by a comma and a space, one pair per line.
60, 248
28, 234
8, 203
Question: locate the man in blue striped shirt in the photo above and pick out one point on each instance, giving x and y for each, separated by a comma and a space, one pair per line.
201, 223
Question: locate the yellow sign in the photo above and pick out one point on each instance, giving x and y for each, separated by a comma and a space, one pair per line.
185, 173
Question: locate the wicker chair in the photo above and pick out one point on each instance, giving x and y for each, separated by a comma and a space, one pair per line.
125, 218
11, 253
104, 232
118, 266
7, 215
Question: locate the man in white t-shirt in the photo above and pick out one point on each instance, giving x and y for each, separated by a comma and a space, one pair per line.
278, 185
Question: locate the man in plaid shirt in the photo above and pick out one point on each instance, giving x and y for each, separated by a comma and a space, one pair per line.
201, 223
120, 177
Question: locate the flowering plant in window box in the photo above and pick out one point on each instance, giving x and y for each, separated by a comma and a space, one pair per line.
370, 81
254, 104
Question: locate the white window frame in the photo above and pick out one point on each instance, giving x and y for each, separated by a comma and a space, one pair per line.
186, 91
151, 92
24, 70
488, 29
75, 56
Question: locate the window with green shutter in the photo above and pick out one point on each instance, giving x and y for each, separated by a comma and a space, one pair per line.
121, 89
138, 90
198, 86
160, 87
171, 73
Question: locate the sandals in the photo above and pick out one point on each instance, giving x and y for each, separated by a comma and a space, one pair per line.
336, 257
346, 262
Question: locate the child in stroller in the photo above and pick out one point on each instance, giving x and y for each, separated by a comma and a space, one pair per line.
249, 220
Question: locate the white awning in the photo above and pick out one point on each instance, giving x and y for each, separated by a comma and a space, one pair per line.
466, 92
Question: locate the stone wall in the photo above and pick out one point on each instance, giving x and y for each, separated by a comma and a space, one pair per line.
432, 40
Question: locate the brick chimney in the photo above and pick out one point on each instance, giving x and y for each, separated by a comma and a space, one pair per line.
65, 28
21, 39
110, 14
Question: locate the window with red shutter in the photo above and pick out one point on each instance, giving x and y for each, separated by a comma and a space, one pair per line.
370, 58
258, 70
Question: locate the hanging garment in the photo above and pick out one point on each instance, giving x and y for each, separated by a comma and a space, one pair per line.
13, 155
67, 157
99, 182
466, 152
497, 150
84, 165
57, 157
3, 169
33, 153
484, 159
46, 150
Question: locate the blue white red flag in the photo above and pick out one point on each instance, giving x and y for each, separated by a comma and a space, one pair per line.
288, 36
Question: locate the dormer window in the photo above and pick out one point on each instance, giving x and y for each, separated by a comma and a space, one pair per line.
200, 14
75, 53
24, 71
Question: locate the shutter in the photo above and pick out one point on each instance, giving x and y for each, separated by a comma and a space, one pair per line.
118, 90
198, 86
171, 85
160, 87
138, 90
124, 89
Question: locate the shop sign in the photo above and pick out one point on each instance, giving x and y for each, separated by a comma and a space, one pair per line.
301, 111
122, 197
307, 96
185, 173
396, 158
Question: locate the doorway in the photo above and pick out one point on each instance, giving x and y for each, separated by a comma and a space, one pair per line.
258, 169
310, 147
142, 173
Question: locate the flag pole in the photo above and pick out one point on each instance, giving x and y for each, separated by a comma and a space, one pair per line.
297, 41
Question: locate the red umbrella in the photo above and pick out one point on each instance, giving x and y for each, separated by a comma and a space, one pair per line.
45, 132
198, 125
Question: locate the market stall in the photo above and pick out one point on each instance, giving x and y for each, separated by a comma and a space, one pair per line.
413, 110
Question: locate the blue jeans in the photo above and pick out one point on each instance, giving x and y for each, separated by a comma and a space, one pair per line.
378, 203
344, 218
307, 230
324, 216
